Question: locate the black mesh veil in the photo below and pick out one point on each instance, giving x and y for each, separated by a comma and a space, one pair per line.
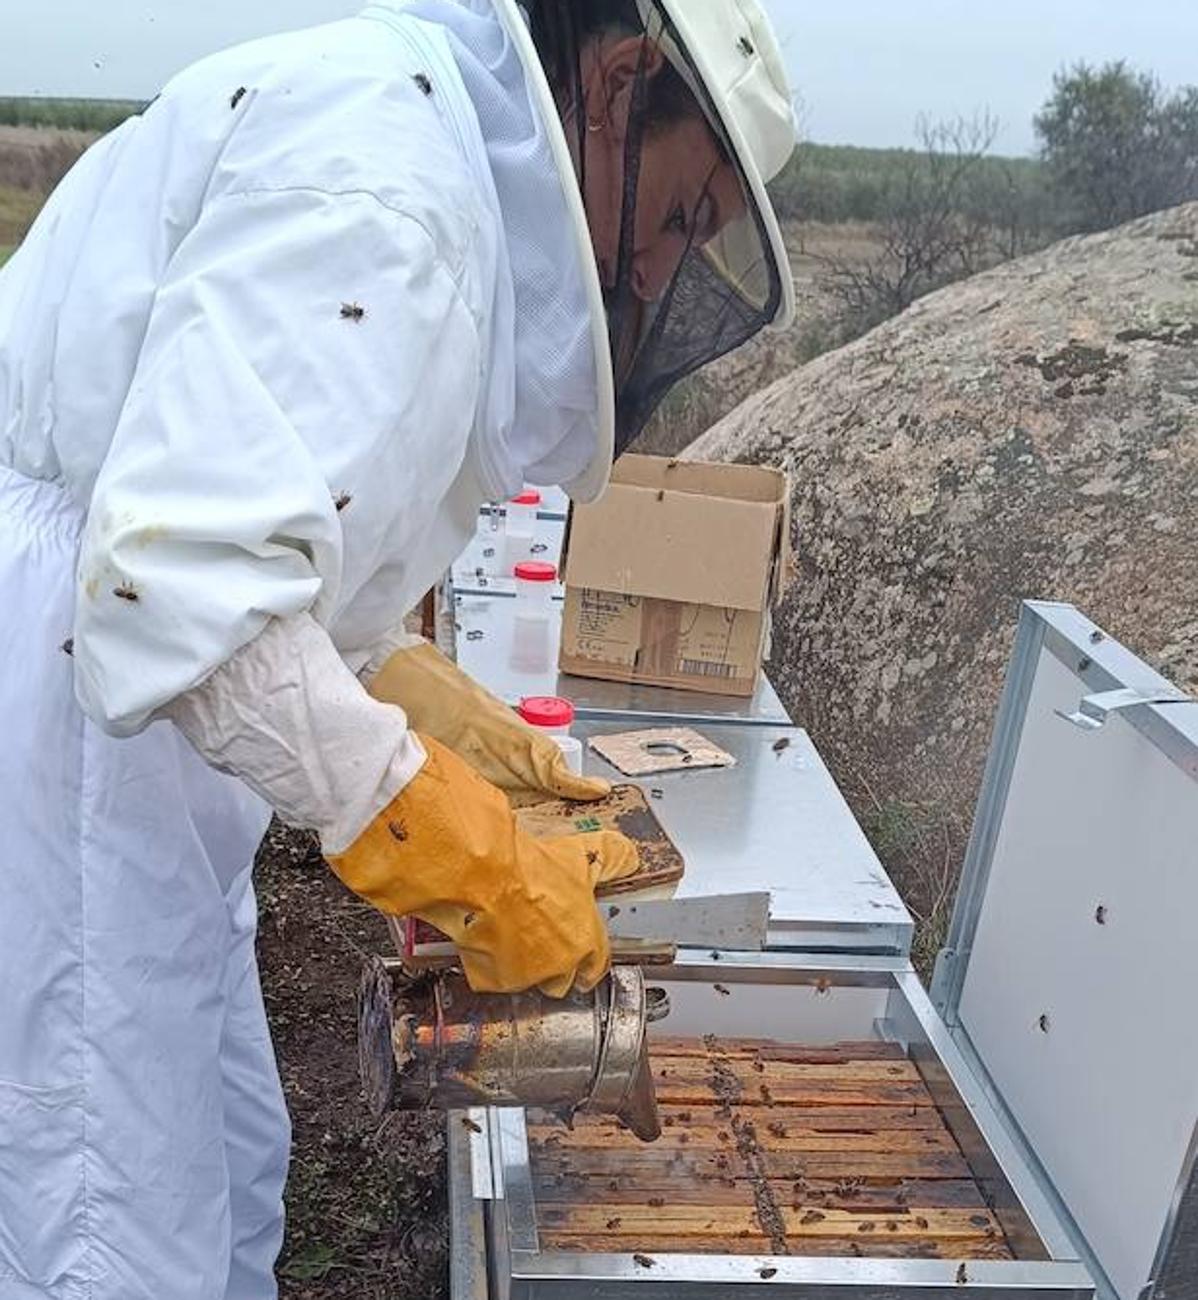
684, 253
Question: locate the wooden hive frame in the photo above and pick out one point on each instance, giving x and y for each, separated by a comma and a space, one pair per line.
768, 1148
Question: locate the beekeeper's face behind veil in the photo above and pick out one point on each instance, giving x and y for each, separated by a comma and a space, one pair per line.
676, 113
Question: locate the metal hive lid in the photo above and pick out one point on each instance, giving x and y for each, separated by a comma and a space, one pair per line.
1070, 971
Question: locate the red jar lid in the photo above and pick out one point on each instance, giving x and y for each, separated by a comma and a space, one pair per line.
546, 711
536, 571
530, 498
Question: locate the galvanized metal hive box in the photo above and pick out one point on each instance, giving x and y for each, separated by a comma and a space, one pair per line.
1071, 964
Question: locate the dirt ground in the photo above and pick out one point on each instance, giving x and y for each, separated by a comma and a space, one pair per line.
366, 1204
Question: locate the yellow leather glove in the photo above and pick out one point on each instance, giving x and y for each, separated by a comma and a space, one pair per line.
520, 910
443, 702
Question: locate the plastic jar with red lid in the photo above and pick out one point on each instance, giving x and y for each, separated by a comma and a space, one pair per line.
520, 526
554, 716
535, 581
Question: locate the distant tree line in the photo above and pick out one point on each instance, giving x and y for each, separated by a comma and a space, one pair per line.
96, 115
1113, 145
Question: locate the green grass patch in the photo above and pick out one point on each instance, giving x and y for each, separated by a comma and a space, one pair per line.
67, 114
917, 847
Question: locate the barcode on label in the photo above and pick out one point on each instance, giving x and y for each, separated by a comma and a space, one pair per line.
700, 668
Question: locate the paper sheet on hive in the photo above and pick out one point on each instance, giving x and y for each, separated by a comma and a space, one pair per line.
660, 749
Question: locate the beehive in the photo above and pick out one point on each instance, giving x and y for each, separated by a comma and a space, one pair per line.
768, 1148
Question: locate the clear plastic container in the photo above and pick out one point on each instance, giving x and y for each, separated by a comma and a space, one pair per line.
533, 612
520, 526
554, 716
535, 580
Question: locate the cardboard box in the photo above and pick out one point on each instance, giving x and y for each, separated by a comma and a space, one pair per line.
671, 576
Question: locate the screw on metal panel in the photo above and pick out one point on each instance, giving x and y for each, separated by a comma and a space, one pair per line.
1100, 914
1095, 637
1043, 1022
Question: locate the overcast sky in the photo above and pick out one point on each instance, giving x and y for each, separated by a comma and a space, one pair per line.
865, 69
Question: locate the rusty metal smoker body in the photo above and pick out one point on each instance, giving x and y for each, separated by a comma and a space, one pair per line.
434, 1042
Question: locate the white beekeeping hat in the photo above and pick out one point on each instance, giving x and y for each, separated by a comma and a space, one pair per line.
714, 61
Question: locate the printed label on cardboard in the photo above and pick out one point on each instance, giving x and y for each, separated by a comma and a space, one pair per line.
607, 627
715, 642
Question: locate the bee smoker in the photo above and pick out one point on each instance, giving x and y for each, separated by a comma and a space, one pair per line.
430, 1041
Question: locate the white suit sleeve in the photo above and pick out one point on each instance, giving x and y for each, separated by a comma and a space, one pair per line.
286, 715
301, 342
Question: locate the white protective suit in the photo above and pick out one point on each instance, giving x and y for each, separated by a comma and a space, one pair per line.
262, 357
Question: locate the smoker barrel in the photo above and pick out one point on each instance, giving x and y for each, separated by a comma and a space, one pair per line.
431, 1041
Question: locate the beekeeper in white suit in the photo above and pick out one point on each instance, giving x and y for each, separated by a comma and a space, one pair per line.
262, 356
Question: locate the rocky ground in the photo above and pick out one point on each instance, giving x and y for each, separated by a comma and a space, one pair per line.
1030, 432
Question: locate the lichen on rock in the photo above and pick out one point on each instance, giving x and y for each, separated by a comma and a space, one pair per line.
1031, 432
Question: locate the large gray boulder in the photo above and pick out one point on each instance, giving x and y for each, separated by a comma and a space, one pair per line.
1030, 432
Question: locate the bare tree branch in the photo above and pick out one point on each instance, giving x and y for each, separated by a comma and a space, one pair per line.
950, 213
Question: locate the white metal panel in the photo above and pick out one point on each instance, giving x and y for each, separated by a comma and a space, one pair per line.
1085, 1019
484, 566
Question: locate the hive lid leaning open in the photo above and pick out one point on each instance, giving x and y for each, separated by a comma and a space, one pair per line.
1070, 974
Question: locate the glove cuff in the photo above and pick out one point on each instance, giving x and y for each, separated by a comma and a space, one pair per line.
382, 650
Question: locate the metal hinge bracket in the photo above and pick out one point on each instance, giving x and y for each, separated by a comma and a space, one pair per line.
1094, 710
